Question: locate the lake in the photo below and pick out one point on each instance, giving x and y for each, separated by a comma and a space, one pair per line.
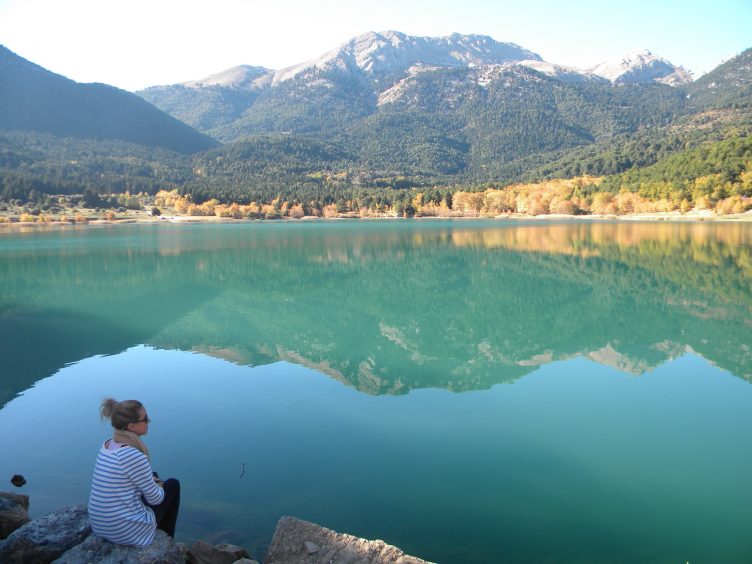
470, 391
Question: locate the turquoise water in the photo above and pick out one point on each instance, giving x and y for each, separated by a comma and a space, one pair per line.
469, 391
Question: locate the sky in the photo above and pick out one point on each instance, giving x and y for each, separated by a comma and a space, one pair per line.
133, 44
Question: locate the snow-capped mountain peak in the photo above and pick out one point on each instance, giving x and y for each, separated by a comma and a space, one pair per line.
641, 67
376, 54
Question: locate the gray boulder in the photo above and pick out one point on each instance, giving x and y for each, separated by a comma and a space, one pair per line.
163, 550
14, 512
296, 541
44, 539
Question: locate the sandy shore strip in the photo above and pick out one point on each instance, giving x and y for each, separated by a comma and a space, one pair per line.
673, 216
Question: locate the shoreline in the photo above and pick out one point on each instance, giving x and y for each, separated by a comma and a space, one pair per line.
674, 216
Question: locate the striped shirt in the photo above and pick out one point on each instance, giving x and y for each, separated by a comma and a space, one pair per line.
116, 509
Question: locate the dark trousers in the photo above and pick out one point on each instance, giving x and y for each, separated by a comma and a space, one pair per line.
167, 511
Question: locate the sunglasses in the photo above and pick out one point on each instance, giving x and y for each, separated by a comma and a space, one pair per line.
144, 420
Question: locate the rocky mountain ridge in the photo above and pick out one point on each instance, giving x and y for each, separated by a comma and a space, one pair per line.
394, 53
391, 53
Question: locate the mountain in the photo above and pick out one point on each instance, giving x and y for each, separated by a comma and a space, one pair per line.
391, 54
458, 106
727, 86
642, 67
343, 84
214, 101
35, 99
365, 76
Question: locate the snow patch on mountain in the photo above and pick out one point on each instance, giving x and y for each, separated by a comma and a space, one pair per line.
243, 76
560, 72
454, 85
507, 74
398, 89
487, 74
641, 67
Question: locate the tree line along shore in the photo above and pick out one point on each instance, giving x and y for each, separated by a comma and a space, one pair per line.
577, 197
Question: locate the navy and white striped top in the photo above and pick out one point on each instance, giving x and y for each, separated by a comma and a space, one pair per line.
116, 510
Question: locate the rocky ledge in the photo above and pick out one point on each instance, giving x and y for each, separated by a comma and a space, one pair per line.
297, 541
65, 536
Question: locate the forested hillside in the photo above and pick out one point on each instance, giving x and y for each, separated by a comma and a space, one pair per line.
711, 172
727, 86
35, 99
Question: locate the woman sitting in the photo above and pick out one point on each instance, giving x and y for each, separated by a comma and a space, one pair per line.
128, 501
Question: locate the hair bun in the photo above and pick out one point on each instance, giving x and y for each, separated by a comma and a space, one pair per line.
109, 407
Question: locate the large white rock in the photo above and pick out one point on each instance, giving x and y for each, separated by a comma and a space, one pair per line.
296, 542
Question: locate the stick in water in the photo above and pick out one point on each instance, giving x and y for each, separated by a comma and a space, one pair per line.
242, 469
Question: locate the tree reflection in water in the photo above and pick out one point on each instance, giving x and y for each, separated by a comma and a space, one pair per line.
383, 306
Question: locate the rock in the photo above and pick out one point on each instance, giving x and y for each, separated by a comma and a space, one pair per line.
245, 561
293, 537
44, 539
18, 480
163, 550
201, 552
14, 512
20, 499
311, 547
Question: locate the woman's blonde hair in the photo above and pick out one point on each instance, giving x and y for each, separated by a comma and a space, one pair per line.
121, 413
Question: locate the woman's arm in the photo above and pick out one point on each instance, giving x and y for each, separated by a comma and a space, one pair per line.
136, 465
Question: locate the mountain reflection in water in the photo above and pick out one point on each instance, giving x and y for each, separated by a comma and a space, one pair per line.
385, 307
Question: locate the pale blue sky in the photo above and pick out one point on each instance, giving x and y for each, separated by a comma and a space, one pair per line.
137, 43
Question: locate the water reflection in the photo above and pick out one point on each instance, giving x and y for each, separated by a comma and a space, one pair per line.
651, 468
384, 307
